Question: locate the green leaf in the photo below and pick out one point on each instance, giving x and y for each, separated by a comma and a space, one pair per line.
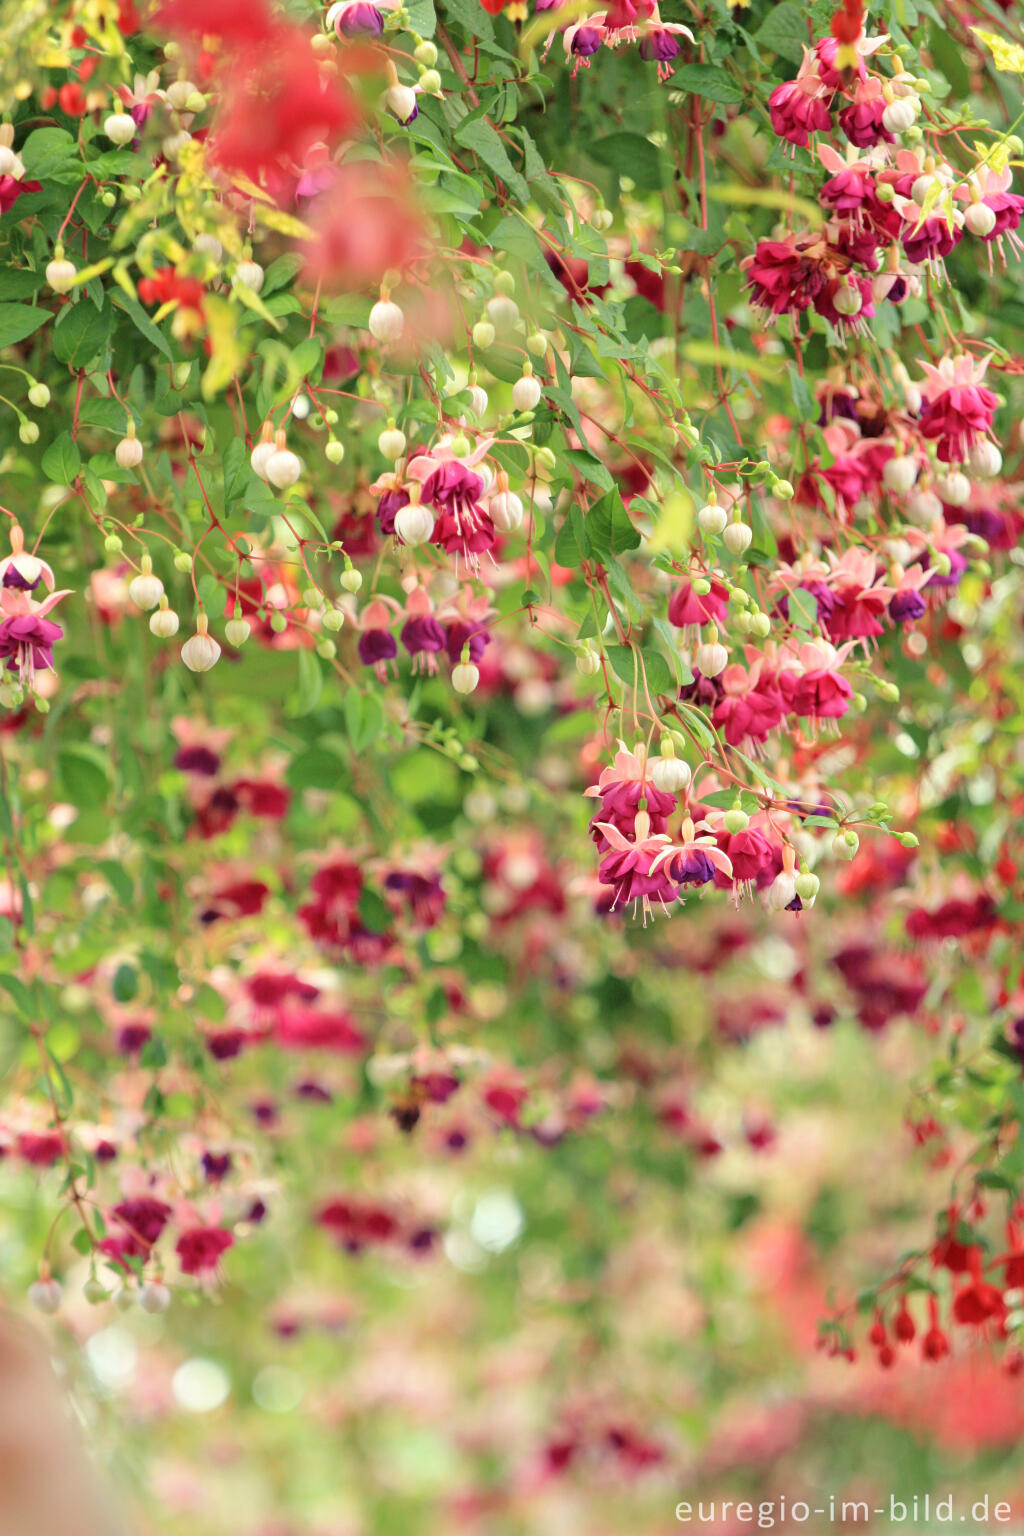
125, 985
311, 683
20, 320
16, 989
316, 768
62, 461
803, 400
609, 529
705, 80
143, 324
81, 332
46, 150
630, 154
83, 774
785, 31
478, 135
573, 542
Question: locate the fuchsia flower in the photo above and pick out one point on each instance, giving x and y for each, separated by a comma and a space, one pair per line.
620, 789
199, 1248
800, 107
811, 683
752, 704
629, 866
27, 636
861, 121
958, 410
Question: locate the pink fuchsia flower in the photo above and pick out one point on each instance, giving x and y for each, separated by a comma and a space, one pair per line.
27, 643
958, 409
928, 239
813, 686
752, 705
689, 609
826, 51
697, 858
13, 187
861, 121
620, 788
906, 604
582, 41
199, 1248
992, 188
800, 107
423, 635
660, 42
786, 276
629, 865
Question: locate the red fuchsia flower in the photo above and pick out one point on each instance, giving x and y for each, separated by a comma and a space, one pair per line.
621, 788
504, 1095
753, 856
357, 1224
906, 604
240, 23
688, 609
811, 683
367, 223
991, 188
786, 276
752, 705
13, 187
861, 121
143, 1218
800, 107
298, 1027
40, 1148
277, 103
978, 1302
423, 635
199, 1248
934, 1343
166, 287
958, 410
860, 597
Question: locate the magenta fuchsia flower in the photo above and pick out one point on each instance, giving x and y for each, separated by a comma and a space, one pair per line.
861, 121
800, 107
629, 865
811, 683
958, 410
621, 788
200, 1248
991, 188
752, 705
27, 635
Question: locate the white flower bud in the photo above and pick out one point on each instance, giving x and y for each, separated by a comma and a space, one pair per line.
807, 887
45, 1295
465, 677
164, 623
848, 300
414, 523
39, 396
901, 115
954, 489
351, 579
503, 311
120, 128
237, 632
8, 160
899, 473
154, 1297
670, 774
711, 658
401, 100
980, 219
249, 274
261, 456
146, 590
201, 652
334, 451
283, 468
845, 845
526, 393
128, 452
921, 187
477, 399
985, 460
737, 538
61, 274
712, 518
735, 820
208, 245
924, 507
483, 335
392, 443
178, 94
588, 662
781, 892
506, 511
386, 321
